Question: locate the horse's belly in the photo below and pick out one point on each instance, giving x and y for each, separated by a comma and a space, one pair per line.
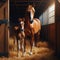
36, 26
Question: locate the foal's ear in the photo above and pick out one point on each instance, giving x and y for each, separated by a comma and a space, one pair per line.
20, 19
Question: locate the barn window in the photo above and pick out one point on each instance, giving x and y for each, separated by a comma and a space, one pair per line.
44, 17
51, 14
41, 18
48, 16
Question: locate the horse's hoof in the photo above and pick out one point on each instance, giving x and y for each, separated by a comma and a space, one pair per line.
30, 53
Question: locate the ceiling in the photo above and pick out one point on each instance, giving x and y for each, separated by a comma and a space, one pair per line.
18, 7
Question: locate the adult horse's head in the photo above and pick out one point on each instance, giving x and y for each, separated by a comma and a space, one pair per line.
31, 11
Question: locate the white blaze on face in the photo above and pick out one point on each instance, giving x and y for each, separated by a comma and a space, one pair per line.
31, 16
32, 13
22, 24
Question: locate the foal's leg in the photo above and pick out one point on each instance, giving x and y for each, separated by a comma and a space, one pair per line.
15, 44
18, 48
22, 36
19, 45
23, 50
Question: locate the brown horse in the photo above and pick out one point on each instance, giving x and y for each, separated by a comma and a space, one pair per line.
32, 25
20, 36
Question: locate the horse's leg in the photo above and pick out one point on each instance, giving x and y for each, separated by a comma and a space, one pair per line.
37, 37
32, 40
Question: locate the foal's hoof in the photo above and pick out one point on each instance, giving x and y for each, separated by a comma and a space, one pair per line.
23, 54
18, 55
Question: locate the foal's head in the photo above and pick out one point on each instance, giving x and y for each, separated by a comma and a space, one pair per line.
21, 23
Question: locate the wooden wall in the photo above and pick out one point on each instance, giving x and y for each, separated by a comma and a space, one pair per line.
44, 33
51, 32
57, 16
4, 30
48, 34
52, 35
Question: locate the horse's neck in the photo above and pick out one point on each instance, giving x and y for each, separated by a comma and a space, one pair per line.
27, 23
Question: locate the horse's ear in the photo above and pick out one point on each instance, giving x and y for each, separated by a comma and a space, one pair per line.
24, 19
